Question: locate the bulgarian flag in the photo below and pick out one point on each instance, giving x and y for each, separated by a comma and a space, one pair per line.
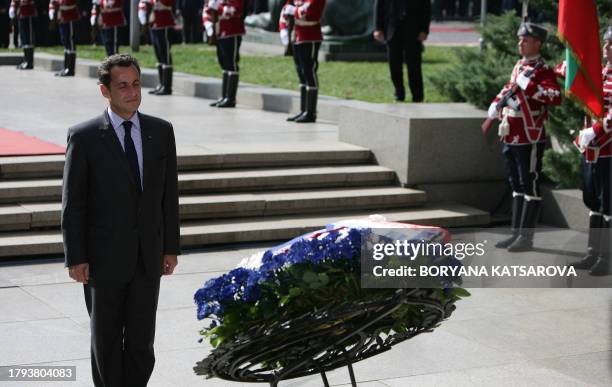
579, 31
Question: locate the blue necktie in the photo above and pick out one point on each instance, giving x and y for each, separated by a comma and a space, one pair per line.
130, 152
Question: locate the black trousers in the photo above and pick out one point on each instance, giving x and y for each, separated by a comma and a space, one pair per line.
524, 166
306, 58
228, 53
68, 36
122, 329
597, 185
402, 48
5, 29
160, 38
110, 38
26, 32
192, 27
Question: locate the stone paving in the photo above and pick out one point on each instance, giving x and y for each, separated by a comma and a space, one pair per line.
502, 337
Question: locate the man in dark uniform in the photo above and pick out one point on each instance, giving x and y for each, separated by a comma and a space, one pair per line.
5, 24
595, 143
522, 105
404, 26
159, 15
67, 15
25, 11
191, 11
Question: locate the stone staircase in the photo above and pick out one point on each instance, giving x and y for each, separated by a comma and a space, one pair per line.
229, 197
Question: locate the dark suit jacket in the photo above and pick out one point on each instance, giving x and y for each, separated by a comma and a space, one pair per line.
418, 16
105, 217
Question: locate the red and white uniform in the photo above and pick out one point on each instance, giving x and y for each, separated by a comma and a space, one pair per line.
527, 110
66, 10
111, 12
308, 14
161, 15
603, 128
24, 8
230, 14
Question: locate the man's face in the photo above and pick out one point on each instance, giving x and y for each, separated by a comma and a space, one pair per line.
123, 93
529, 46
607, 50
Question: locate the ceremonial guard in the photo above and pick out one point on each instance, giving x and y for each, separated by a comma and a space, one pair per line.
304, 18
5, 24
595, 143
67, 15
159, 15
522, 107
224, 26
108, 15
25, 11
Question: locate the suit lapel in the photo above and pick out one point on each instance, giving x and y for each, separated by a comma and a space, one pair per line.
109, 137
147, 154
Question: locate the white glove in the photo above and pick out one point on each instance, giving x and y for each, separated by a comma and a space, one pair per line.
12, 12
289, 10
586, 136
92, 20
210, 28
213, 4
142, 16
284, 36
492, 112
522, 81
228, 11
51, 14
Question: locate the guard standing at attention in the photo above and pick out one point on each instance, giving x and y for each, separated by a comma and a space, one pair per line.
595, 143
159, 15
111, 18
224, 25
522, 106
67, 14
306, 38
25, 12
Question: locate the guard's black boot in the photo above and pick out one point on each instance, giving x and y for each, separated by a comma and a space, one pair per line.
223, 90
602, 265
28, 59
302, 104
59, 73
69, 65
310, 115
160, 76
166, 88
524, 242
517, 212
594, 244
232, 89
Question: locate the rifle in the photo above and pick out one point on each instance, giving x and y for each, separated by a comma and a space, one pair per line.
503, 102
290, 27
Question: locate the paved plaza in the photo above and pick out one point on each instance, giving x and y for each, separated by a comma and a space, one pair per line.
496, 337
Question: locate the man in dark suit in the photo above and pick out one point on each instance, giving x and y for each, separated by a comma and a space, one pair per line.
120, 223
404, 25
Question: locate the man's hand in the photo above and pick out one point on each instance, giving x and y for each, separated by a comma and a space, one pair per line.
379, 35
422, 36
586, 136
79, 273
170, 262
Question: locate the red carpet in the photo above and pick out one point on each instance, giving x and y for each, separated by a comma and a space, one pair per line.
19, 144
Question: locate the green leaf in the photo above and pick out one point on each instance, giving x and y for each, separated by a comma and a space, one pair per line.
460, 292
310, 276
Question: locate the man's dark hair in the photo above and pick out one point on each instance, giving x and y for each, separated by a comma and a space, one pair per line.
123, 60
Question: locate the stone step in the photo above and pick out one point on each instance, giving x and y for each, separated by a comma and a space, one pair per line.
20, 191
281, 228
27, 216
219, 157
